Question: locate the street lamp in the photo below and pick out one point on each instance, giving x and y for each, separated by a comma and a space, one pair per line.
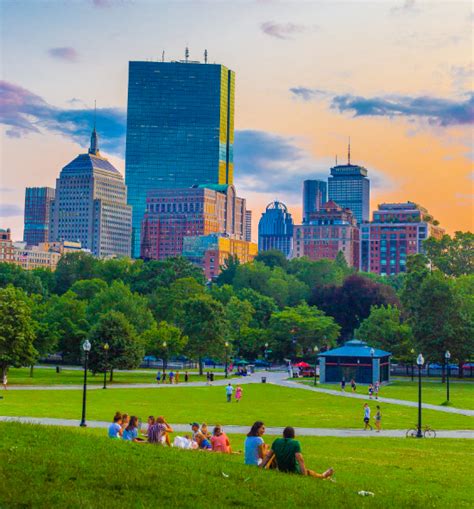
226, 344
420, 361
412, 351
372, 353
315, 350
106, 352
447, 356
165, 356
265, 353
86, 346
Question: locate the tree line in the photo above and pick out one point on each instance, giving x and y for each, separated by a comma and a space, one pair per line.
271, 307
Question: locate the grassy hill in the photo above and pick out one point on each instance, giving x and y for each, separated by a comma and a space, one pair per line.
58, 467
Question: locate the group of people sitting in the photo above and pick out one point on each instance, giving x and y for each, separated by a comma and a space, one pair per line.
284, 454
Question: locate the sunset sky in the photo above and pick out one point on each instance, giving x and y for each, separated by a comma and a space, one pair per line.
397, 77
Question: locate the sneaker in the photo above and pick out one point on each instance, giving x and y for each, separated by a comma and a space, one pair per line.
329, 472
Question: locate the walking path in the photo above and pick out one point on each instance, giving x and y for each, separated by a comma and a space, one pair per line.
308, 432
273, 377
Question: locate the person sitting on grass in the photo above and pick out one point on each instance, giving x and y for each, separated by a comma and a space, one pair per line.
255, 448
204, 430
203, 442
195, 429
115, 429
125, 421
159, 432
131, 431
150, 422
287, 454
220, 441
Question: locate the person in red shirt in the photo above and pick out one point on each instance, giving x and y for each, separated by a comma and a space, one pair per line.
220, 441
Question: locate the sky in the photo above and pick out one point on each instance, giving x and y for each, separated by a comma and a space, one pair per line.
396, 77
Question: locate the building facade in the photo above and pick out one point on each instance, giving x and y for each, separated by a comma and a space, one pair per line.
248, 225
211, 251
36, 217
397, 231
275, 229
180, 130
90, 205
6, 246
315, 194
173, 214
349, 187
35, 257
331, 230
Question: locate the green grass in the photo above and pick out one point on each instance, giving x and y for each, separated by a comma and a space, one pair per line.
461, 394
276, 406
57, 467
47, 376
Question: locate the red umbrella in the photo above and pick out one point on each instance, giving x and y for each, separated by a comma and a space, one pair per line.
302, 365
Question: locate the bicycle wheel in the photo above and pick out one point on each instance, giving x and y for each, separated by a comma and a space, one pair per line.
411, 433
430, 433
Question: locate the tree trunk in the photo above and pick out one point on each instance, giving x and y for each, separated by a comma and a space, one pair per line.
200, 366
4, 370
111, 378
31, 371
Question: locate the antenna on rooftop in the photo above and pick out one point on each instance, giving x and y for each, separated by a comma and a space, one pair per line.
349, 152
336, 159
205, 56
186, 54
163, 56
95, 113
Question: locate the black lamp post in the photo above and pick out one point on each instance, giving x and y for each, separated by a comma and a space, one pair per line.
86, 346
447, 356
412, 351
315, 350
226, 344
372, 353
165, 356
420, 361
106, 363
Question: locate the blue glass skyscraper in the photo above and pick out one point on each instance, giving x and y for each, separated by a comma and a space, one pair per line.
315, 194
180, 130
275, 229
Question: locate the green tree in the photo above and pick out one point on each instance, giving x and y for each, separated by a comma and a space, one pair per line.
263, 307
204, 324
123, 269
296, 331
87, 289
316, 273
164, 340
239, 314
126, 350
272, 258
383, 328
222, 293
417, 272
72, 267
17, 330
228, 270
454, 256
11, 274
119, 297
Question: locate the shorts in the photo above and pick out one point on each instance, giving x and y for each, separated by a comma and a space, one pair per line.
366, 420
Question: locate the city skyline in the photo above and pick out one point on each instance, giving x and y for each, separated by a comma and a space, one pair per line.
299, 93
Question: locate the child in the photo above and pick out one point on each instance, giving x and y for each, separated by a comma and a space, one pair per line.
367, 417
205, 431
371, 391
130, 433
158, 377
376, 389
219, 441
125, 421
238, 393
378, 419
115, 429
150, 422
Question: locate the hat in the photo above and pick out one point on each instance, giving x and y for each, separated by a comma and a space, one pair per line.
194, 424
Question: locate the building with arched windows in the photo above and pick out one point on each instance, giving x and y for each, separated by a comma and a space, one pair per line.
275, 229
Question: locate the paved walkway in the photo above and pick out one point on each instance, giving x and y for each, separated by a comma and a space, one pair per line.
309, 432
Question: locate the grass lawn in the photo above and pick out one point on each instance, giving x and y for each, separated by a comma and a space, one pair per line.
276, 406
461, 394
47, 376
57, 467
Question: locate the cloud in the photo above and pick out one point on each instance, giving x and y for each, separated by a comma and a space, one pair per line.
438, 111
25, 112
10, 210
67, 54
406, 6
462, 77
284, 30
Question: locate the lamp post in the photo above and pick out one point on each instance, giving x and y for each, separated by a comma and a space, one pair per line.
447, 356
106, 352
226, 344
86, 346
164, 356
372, 353
412, 351
315, 350
420, 361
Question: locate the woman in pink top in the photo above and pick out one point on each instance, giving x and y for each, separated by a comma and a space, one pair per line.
219, 441
238, 393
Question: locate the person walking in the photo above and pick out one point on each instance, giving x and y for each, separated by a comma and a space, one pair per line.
163, 378
378, 419
376, 389
367, 417
158, 377
371, 391
171, 377
353, 385
238, 394
229, 390
176, 378
343, 385
208, 378
186, 376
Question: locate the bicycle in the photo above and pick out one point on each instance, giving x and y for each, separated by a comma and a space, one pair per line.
426, 431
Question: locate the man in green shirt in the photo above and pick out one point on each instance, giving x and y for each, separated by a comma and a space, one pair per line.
286, 452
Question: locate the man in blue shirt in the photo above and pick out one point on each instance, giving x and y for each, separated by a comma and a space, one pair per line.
229, 390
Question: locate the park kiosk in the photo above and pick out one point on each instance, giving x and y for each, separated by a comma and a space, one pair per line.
354, 360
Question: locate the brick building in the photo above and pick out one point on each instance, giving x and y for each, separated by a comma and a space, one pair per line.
6, 246
328, 231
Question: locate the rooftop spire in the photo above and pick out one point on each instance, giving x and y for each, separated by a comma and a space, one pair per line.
94, 147
349, 152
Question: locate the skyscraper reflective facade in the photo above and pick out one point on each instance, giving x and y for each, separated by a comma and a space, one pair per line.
315, 194
180, 130
275, 229
37, 206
